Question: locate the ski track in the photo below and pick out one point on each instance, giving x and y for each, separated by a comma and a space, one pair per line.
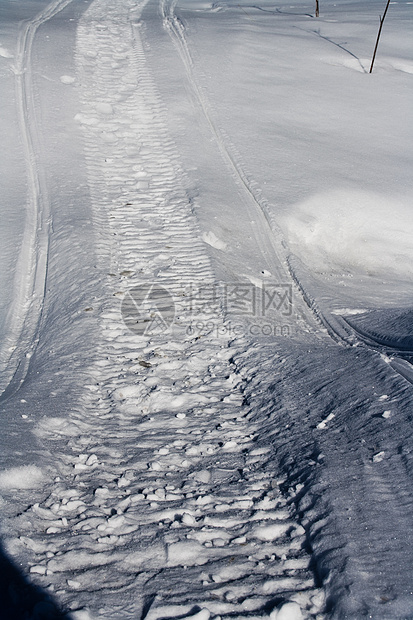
159, 496
31, 269
268, 235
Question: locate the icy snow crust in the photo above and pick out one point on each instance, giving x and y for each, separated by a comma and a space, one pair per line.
237, 455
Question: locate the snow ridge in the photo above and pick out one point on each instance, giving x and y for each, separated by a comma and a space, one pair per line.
25, 312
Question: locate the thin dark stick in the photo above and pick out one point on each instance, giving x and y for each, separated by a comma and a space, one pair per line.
378, 36
317, 9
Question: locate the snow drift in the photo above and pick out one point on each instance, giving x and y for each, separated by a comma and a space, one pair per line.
352, 232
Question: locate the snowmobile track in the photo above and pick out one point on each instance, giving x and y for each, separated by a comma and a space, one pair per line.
269, 237
160, 494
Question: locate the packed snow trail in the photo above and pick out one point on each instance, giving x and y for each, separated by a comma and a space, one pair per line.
318, 501
159, 496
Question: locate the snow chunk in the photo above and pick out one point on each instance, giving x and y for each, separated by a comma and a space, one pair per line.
203, 476
38, 569
271, 532
104, 108
211, 239
349, 311
127, 391
79, 560
83, 119
67, 79
57, 427
178, 611
25, 477
4, 53
81, 614
288, 611
186, 554
188, 519
323, 424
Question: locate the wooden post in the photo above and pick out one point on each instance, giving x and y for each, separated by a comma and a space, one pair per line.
317, 8
378, 36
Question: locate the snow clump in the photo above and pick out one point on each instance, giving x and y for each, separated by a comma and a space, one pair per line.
24, 477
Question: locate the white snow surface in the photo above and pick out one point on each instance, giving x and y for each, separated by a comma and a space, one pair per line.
25, 477
206, 312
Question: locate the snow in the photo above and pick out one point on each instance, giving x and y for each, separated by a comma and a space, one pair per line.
210, 238
288, 611
25, 477
67, 79
353, 232
5, 53
206, 324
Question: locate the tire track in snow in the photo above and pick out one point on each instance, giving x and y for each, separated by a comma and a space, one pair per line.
254, 203
31, 269
159, 508
269, 236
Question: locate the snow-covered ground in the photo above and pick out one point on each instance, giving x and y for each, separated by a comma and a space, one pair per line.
206, 313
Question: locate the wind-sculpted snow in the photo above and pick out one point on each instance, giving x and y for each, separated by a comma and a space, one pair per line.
353, 232
334, 418
205, 428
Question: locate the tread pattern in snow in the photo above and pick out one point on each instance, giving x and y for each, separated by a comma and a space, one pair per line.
159, 508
